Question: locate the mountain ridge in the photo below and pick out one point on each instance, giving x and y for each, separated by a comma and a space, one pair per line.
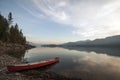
111, 41
108, 41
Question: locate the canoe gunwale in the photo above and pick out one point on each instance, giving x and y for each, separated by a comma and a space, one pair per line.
20, 67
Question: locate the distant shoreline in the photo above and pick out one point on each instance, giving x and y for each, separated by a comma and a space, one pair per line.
112, 41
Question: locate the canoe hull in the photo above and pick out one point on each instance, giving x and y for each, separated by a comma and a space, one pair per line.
31, 66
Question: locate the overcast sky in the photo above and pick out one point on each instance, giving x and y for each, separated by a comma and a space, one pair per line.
58, 21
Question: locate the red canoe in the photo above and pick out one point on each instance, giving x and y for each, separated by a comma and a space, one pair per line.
27, 66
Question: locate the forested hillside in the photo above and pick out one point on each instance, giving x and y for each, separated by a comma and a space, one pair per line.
10, 33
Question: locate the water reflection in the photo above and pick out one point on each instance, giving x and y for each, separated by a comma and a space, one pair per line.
88, 65
96, 67
114, 51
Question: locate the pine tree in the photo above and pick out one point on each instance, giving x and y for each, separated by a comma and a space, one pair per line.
10, 33
10, 18
4, 27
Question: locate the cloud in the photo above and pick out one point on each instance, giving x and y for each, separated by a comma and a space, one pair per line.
90, 18
52, 10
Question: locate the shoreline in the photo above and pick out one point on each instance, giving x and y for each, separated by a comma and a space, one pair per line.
8, 58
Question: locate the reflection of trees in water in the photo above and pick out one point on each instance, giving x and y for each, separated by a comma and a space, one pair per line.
107, 50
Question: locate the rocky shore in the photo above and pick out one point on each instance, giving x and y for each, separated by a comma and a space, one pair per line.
7, 58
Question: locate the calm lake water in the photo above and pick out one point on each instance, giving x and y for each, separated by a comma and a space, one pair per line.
84, 63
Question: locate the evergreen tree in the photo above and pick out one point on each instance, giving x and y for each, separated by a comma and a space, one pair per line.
10, 33
4, 27
10, 18
16, 35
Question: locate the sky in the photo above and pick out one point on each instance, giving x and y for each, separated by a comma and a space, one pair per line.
59, 21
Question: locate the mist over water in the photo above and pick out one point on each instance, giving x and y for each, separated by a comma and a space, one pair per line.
84, 63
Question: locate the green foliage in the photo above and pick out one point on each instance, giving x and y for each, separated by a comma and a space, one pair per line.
3, 28
10, 18
1, 42
10, 33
